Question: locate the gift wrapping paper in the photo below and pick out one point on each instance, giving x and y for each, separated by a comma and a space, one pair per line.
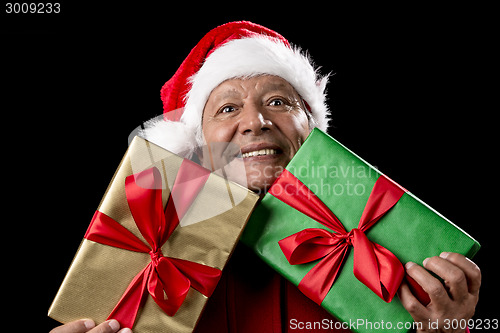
327, 204
206, 235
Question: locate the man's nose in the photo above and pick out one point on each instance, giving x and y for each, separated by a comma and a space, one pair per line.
254, 120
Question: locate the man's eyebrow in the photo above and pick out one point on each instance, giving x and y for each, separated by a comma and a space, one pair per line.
226, 94
273, 87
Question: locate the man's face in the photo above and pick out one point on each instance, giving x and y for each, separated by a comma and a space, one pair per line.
265, 117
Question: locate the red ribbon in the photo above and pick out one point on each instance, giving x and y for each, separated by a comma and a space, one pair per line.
374, 265
163, 275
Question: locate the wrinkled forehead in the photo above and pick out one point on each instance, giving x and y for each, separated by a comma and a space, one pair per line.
241, 87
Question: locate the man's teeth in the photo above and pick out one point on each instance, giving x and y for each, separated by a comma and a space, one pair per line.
260, 152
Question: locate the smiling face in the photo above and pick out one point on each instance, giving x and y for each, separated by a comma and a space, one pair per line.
265, 117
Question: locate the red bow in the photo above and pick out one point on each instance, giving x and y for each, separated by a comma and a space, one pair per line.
374, 265
163, 275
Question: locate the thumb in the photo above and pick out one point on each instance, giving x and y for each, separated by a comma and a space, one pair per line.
77, 326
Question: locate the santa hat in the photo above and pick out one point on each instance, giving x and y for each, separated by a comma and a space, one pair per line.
233, 50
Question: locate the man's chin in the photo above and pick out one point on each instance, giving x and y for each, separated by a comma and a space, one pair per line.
260, 177
260, 186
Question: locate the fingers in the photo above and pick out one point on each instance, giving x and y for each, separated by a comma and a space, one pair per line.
432, 286
411, 303
88, 326
470, 269
77, 326
109, 326
125, 330
456, 297
453, 276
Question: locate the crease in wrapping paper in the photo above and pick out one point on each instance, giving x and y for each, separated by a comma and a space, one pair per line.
327, 167
99, 274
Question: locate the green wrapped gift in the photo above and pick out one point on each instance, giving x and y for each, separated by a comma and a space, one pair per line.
341, 231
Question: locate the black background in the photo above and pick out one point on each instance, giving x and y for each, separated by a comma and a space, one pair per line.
413, 91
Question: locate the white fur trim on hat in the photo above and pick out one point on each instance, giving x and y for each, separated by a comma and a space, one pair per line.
174, 136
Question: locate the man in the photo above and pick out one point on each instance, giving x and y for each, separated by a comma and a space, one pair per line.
244, 84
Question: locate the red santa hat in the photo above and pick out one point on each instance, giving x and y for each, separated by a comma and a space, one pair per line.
233, 50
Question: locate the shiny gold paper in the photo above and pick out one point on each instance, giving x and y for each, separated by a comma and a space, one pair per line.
207, 234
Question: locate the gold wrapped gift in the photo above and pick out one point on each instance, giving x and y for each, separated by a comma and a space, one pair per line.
206, 234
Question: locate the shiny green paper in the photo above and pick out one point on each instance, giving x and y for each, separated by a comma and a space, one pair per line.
411, 230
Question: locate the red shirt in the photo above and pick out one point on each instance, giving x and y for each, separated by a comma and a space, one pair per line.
252, 298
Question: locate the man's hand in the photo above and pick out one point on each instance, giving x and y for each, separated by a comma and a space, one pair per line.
455, 299
88, 326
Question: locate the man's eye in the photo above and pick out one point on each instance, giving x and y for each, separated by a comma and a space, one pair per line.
227, 109
276, 102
